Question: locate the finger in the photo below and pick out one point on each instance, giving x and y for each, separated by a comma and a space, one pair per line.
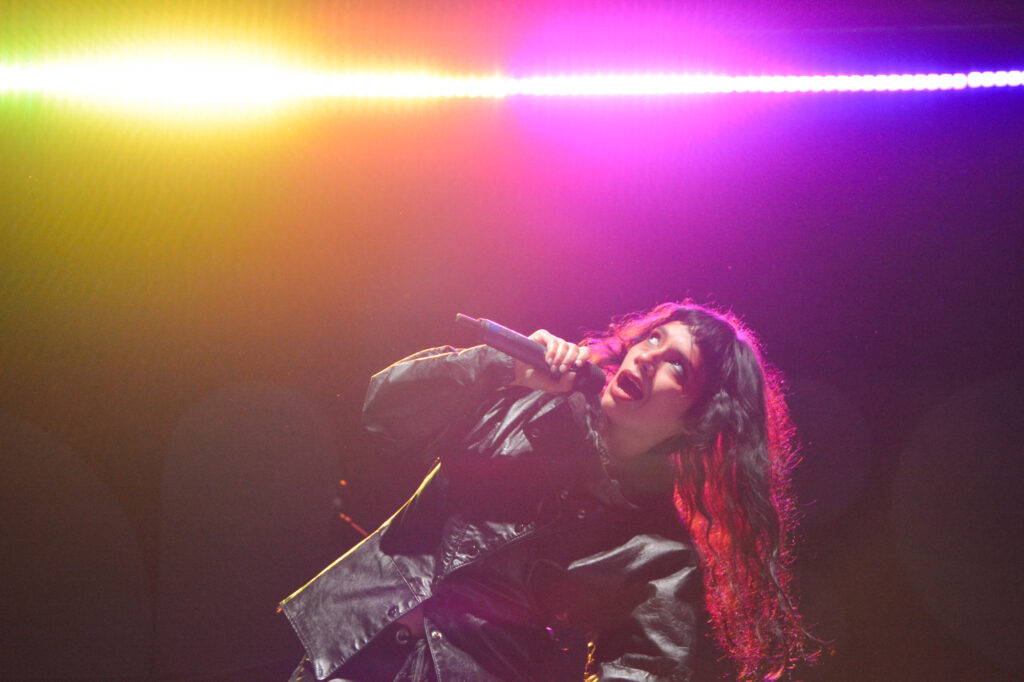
566, 382
575, 356
564, 347
544, 338
571, 355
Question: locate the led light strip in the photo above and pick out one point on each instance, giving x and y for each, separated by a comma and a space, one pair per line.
198, 83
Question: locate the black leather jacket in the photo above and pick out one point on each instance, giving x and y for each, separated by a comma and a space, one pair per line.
519, 544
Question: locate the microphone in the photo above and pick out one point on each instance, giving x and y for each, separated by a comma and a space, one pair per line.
589, 378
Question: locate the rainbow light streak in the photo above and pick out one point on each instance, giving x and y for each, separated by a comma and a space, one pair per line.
201, 83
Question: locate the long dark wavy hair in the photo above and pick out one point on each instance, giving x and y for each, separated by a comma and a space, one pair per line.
733, 485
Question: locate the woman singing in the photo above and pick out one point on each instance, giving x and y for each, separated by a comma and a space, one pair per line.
561, 536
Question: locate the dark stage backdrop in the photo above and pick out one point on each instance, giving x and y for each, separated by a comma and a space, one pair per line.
190, 311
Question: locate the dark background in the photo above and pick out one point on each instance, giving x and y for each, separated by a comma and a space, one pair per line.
190, 310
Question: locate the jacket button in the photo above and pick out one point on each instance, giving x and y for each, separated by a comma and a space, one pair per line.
581, 513
436, 635
393, 612
564, 494
469, 548
403, 636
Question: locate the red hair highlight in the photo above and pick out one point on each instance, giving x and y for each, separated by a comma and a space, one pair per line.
733, 486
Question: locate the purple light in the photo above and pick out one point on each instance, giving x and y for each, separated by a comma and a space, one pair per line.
694, 84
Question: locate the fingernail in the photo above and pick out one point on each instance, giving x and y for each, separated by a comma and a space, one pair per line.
562, 368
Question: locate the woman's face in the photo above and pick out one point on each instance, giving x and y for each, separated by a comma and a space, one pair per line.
648, 399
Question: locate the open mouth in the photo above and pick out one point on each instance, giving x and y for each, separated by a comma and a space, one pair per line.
630, 385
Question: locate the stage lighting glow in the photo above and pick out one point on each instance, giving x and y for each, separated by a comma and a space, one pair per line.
193, 81
399, 85
168, 83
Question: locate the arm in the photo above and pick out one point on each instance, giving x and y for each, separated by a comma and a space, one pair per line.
414, 399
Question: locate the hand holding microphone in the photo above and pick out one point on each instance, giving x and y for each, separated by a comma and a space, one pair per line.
562, 362
543, 361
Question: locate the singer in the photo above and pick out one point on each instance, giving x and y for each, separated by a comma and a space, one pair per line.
626, 534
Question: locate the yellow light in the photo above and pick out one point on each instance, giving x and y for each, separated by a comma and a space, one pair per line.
177, 82
170, 81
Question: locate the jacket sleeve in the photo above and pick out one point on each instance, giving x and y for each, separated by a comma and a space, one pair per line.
413, 400
654, 634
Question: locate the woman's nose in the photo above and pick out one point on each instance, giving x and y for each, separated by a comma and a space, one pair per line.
644, 363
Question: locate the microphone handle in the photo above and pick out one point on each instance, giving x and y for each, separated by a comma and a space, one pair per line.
589, 378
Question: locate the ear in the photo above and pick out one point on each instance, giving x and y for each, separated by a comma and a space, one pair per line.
686, 428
